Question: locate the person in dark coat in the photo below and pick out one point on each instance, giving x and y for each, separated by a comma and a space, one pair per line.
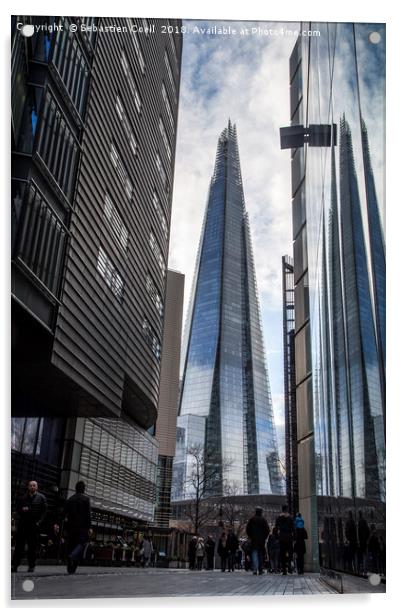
257, 530
363, 533
55, 543
192, 546
232, 545
351, 538
78, 522
223, 550
299, 546
210, 552
273, 549
31, 511
246, 547
284, 524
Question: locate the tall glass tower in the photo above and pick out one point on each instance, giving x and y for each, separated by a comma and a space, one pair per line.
225, 395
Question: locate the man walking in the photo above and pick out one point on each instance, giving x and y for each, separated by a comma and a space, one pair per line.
192, 546
257, 530
284, 524
31, 511
78, 523
210, 552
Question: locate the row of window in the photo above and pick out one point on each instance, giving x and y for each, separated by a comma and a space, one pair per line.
113, 217
121, 112
110, 274
154, 294
121, 170
151, 338
131, 82
165, 139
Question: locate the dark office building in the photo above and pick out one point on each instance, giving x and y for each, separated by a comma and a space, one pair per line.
289, 384
225, 406
94, 117
339, 280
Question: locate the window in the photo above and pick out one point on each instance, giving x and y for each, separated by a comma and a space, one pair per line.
157, 252
131, 83
161, 171
121, 171
110, 274
126, 125
151, 338
160, 214
154, 294
139, 52
165, 139
170, 74
113, 217
167, 106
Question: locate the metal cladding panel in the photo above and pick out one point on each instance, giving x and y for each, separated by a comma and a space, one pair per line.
109, 329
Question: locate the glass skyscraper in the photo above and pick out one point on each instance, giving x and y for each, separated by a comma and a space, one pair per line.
225, 404
337, 104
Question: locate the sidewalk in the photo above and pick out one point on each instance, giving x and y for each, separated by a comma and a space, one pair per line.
52, 582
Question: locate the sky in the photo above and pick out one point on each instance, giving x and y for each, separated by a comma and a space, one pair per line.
245, 78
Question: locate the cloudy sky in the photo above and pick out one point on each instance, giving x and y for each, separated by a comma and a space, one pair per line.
246, 79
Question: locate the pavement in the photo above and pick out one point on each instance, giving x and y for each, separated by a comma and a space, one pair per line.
53, 582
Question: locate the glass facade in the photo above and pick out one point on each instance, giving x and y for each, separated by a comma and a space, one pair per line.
118, 462
338, 84
225, 382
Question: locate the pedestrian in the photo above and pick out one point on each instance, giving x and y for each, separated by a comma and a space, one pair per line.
232, 545
284, 524
246, 547
273, 550
146, 550
78, 523
223, 550
257, 530
351, 539
210, 552
191, 552
55, 544
299, 546
363, 533
373, 546
200, 552
31, 511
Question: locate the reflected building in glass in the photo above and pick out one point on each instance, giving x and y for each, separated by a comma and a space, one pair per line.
336, 138
225, 405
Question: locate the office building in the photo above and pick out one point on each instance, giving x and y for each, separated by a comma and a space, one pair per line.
337, 103
94, 118
225, 406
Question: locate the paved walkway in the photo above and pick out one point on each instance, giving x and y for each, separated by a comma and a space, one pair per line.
92, 582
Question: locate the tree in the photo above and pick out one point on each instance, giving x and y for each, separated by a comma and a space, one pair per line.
235, 513
204, 479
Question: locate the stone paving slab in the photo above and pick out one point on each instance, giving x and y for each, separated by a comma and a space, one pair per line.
95, 582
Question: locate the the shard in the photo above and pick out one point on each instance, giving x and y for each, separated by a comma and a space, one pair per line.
225, 404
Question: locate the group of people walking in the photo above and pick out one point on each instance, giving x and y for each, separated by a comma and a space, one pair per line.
31, 512
288, 538
276, 548
280, 550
